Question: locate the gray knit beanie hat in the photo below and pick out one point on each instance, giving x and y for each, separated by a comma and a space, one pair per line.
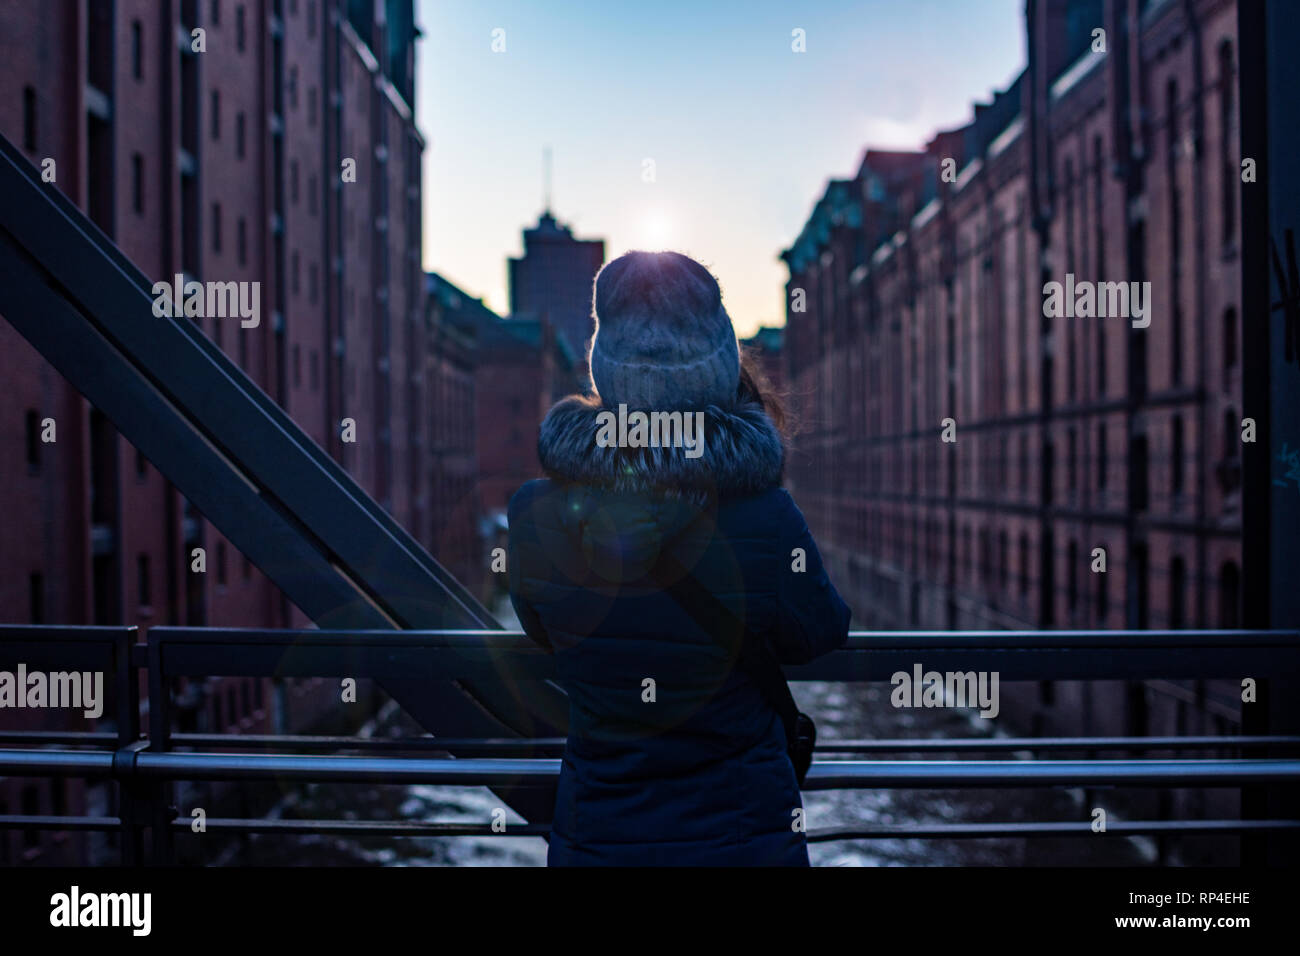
663, 340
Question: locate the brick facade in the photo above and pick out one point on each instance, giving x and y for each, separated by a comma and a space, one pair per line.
922, 300
225, 165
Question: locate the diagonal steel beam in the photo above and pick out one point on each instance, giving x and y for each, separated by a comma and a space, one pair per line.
297, 515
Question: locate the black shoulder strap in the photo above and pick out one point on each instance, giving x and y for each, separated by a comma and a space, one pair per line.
758, 661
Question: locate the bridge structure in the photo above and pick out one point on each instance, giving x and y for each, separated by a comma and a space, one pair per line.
142, 762
495, 717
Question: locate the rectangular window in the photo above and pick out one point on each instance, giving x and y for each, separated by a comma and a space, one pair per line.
100, 189
1102, 464
241, 241
1072, 577
1138, 497
1024, 565
1176, 457
1229, 344
216, 227
1101, 361
216, 114
1047, 476
216, 13
33, 441
1138, 588
239, 136
1024, 464
29, 118
142, 580
137, 183
137, 50
239, 28
1229, 173
36, 597
100, 37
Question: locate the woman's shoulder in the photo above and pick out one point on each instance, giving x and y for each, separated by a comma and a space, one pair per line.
531, 493
772, 506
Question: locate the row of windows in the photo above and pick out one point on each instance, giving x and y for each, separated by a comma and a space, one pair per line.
991, 568
829, 293
881, 471
235, 700
188, 21
313, 361
38, 599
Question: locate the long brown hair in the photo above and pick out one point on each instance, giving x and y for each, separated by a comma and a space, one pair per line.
756, 386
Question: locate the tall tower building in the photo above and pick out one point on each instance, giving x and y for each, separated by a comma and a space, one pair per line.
552, 281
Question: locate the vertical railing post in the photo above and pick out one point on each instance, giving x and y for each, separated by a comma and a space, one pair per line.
127, 696
161, 793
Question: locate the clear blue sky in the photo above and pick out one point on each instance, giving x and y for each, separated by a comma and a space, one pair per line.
743, 132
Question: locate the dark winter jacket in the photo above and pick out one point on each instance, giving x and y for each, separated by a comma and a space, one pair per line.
673, 756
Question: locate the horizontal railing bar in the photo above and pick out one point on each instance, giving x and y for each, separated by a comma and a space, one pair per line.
364, 828
416, 828
329, 768
823, 775
56, 763
942, 774
1074, 828
63, 737
57, 646
868, 655
1207, 742
93, 655
554, 746
375, 828
858, 640
38, 822
74, 633
901, 745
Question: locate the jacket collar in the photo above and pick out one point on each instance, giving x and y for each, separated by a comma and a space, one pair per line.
743, 453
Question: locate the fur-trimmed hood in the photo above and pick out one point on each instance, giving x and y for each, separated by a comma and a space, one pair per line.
622, 505
743, 453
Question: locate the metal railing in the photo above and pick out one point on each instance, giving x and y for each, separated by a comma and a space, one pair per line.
144, 768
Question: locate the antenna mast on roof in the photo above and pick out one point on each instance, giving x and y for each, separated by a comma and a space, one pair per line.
546, 179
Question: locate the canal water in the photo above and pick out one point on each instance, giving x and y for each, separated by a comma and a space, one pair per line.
842, 711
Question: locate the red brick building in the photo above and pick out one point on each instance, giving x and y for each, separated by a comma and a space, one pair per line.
453, 500
916, 296
520, 363
268, 141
